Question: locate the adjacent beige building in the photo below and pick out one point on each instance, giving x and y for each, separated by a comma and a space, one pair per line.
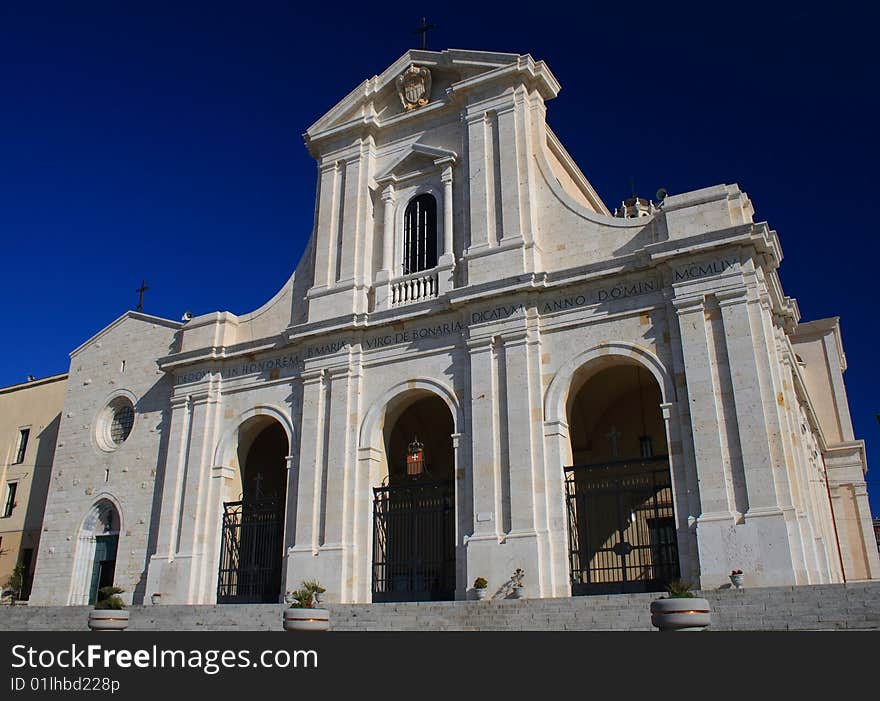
30, 414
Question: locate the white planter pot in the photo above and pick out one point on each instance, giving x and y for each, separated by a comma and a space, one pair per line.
306, 619
319, 597
480, 594
107, 619
680, 614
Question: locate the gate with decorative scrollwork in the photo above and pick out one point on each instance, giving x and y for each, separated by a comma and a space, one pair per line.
251, 552
621, 527
414, 542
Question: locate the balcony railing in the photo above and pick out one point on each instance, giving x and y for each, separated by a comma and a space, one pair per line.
414, 288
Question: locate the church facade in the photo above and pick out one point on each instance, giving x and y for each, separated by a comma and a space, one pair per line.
475, 368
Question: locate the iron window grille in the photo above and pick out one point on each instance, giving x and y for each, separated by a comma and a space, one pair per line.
420, 234
122, 422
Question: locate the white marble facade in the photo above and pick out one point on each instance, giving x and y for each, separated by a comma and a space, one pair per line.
535, 289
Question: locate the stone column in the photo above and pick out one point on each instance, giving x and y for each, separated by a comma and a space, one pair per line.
477, 181
163, 573
717, 518
755, 399
333, 501
557, 452
327, 223
446, 179
488, 507
311, 462
388, 233
370, 463
290, 504
385, 275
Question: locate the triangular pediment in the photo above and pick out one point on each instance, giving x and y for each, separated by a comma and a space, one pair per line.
128, 317
376, 100
418, 159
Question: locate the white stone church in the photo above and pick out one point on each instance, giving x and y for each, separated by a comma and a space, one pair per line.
476, 367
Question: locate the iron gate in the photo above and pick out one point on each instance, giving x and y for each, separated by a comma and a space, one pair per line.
414, 542
621, 527
251, 552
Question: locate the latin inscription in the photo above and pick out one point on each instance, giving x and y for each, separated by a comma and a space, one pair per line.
698, 270
296, 362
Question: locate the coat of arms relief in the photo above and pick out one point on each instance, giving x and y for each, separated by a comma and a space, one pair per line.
414, 87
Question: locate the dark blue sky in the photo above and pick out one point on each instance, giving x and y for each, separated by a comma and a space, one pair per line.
162, 140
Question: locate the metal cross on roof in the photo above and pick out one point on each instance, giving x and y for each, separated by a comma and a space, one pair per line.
143, 288
423, 30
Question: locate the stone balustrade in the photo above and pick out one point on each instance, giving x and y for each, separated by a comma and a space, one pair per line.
414, 288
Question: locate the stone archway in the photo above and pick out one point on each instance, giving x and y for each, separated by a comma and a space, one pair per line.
254, 508
619, 496
97, 544
414, 501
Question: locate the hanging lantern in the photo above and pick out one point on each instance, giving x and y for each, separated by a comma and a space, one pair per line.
415, 458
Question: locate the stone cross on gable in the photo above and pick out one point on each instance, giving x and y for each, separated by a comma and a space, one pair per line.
614, 436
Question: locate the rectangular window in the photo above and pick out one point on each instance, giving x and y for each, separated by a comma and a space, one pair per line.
23, 436
11, 488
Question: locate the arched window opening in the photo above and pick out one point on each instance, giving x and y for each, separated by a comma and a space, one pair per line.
420, 234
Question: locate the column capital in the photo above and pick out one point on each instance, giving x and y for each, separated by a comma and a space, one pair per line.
688, 305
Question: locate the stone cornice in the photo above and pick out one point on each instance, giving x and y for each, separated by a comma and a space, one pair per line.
653, 257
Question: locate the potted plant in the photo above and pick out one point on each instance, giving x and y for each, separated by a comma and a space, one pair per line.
736, 578
15, 583
317, 590
516, 583
481, 588
301, 614
109, 612
680, 610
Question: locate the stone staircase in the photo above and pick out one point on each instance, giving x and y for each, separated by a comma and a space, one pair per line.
819, 607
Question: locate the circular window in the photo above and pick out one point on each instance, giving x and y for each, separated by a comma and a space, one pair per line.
122, 421
115, 423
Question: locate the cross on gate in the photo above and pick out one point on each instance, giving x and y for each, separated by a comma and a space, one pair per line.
423, 30
143, 288
614, 436
258, 480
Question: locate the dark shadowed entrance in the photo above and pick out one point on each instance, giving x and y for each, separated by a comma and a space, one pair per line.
414, 510
253, 527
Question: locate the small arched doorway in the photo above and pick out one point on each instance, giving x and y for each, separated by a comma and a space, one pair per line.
95, 562
251, 547
414, 507
621, 519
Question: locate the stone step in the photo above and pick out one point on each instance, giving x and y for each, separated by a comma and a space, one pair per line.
821, 607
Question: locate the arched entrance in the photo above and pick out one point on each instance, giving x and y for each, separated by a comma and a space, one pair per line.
251, 547
621, 519
95, 562
414, 507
